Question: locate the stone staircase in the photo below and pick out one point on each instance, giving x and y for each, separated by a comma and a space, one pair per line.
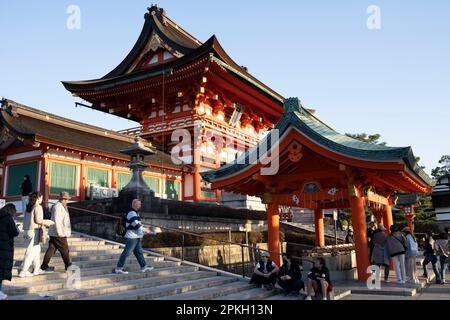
170, 280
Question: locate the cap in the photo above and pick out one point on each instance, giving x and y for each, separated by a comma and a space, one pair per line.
64, 195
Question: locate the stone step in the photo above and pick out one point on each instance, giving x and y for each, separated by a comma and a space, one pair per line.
21, 251
71, 241
211, 293
251, 294
282, 297
180, 274
89, 265
57, 258
18, 256
166, 290
89, 277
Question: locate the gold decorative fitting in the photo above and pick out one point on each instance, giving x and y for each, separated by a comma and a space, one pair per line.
295, 154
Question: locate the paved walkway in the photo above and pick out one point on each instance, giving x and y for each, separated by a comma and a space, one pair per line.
433, 292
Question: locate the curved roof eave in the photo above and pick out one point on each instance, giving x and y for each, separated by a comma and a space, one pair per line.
321, 134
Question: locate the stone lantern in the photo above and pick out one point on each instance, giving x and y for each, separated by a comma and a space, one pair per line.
136, 188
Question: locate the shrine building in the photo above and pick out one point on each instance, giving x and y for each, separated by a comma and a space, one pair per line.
303, 162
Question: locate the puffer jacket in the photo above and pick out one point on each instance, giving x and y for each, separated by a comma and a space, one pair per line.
380, 253
396, 244
8, 231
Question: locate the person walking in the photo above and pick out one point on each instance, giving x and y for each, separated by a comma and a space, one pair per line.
412, 252
59, 232
134, 233
380, 256
33, 221
430, 256
396, 245
26, 187
442, 251
8, 231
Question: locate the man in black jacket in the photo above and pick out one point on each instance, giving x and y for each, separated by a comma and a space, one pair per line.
290, 276
265, 272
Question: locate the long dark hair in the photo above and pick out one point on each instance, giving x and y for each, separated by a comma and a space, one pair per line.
33, 200
9, 209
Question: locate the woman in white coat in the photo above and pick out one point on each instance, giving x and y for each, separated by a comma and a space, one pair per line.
33, 220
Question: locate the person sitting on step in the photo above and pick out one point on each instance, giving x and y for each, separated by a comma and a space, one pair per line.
319, 280
290, 276
265, 272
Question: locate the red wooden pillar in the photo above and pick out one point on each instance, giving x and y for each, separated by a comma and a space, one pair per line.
388, 222
387, 218
379, 216
409, 218
197, 183
273, 230
319, 228
360, 235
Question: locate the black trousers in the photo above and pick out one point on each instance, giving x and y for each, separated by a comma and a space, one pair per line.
60, 244
263, 280
291, 285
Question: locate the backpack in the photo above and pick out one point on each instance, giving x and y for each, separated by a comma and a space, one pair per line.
414, 250
122, 227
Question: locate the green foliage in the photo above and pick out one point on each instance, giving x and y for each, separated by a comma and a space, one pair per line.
364, 137
424, 212
443, 169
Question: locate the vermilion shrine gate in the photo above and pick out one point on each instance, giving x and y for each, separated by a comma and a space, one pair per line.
322, 169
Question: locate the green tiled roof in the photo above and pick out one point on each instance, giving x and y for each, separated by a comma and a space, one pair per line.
301, 119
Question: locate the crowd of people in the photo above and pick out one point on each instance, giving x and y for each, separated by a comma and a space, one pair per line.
37, 231
402, 248
399, 246
289, 276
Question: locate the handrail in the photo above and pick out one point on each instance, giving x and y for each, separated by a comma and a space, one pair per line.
173, 230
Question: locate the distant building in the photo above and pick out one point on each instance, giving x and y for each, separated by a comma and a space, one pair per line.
441, 199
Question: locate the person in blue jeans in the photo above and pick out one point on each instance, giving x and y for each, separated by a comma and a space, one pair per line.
430, 257
133, 236
442, 251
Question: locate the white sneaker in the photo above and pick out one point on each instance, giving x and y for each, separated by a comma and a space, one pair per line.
325, 298
3, 296
120, 271
147, 269
308, 298
39, 272
25, 274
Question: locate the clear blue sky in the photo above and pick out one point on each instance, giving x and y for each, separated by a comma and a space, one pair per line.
394, 81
